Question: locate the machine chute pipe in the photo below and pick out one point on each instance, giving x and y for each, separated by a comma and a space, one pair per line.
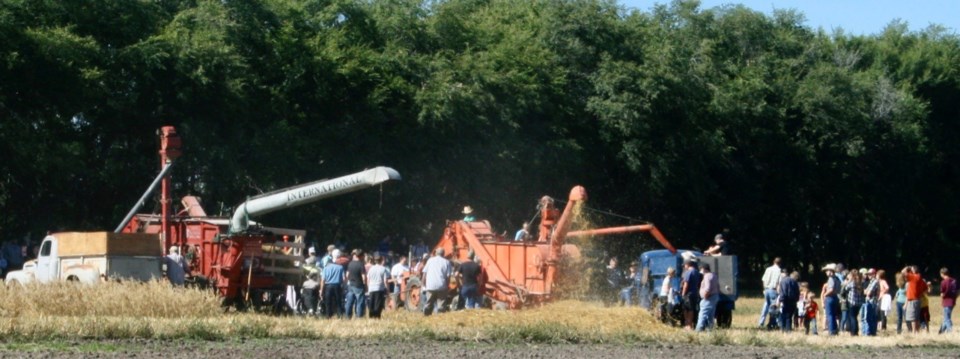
143, 199
308, 193
627, 229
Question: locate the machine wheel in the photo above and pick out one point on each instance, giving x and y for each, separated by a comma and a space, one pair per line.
724, 317
412, 295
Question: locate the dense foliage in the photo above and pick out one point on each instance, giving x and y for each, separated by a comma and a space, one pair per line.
813, 146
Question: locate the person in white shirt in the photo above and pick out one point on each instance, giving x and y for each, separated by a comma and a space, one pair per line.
176, 266
771, 281
396, 275
377, 277
436, 276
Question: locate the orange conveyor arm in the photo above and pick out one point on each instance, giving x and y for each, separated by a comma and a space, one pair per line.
627, 229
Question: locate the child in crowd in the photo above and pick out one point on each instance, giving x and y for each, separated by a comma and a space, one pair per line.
774, 315
810, 313
798, 319
925, 309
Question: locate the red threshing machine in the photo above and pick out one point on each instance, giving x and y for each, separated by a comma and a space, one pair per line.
244, 262
520, 274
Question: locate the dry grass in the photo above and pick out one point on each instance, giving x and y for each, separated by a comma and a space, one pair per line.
154, 310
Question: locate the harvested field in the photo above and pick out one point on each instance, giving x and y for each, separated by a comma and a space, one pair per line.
147, 319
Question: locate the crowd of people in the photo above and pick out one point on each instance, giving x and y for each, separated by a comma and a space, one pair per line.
858, 302
362, 285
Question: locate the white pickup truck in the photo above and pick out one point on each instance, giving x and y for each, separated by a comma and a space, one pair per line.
91, 257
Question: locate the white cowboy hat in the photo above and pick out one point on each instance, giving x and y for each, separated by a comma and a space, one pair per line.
467, 210
830, 266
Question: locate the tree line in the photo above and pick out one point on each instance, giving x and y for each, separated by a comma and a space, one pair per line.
808, 145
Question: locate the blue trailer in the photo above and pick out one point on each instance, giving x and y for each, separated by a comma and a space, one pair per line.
653, 270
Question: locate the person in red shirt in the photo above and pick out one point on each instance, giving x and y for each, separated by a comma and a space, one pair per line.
948, 297
915, 288
810, 317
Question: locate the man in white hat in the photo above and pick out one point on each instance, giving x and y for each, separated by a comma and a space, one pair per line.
468, 214
828, 296
176, 266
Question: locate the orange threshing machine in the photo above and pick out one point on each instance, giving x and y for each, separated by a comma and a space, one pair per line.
521, 274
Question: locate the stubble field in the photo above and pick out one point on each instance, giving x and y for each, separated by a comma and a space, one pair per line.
152, 320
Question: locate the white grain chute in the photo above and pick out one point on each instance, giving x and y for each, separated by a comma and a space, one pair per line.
308, 193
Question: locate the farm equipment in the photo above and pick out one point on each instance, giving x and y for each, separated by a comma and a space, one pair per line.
244, 262
653, 266
520, 274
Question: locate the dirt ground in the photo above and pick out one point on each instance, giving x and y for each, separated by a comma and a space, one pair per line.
289, 348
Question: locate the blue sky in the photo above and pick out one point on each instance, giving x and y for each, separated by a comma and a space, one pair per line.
859, 17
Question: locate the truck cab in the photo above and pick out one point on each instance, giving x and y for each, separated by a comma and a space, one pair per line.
91, 257
653, 270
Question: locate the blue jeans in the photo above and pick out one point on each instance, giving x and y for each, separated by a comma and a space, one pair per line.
356, 301
708, 309
769, 295
899, 317
787, 312
470, 296
852, 325
831, 306
868, 319
625, 296
947, 325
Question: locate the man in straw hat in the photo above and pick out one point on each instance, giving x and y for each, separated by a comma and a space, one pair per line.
468, 214
828, 296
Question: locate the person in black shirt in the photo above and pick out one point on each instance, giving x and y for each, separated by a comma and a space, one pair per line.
469, 274
356, 286
720, 247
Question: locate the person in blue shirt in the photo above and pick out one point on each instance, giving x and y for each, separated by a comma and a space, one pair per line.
524, 233
331, 292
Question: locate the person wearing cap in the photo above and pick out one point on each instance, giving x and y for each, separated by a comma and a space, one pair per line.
828, 296
437, 273
176, 267
709, 296
310, 264
871, 299
331, 293
690, 292
468, 214
770, 281
719, 248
